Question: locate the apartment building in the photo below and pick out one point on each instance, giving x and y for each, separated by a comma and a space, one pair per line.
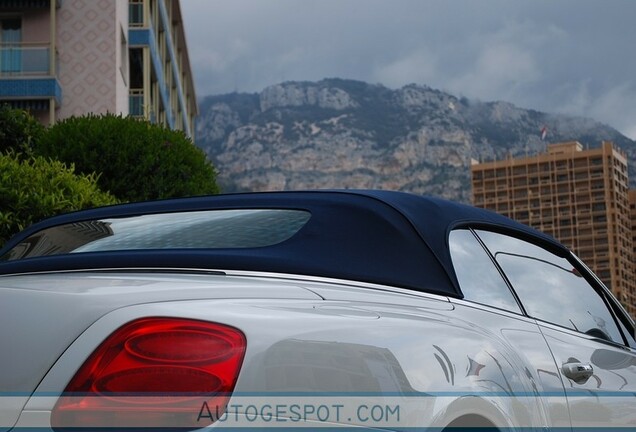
578, 196
60, 58
632, 209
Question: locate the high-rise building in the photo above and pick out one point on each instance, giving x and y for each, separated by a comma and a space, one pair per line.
60, 58
578, 196
632, 208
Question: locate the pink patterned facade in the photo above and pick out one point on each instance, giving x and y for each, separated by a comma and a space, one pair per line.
89, 43
74, 57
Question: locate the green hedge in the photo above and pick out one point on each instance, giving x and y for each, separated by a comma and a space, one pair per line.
136, 160
19, 131
35, 188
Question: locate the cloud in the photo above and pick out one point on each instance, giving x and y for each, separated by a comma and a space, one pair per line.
536, 54
610, 104
509, 60
616, 106
573, 97
416, 67
498, 73
219, 59
630, 130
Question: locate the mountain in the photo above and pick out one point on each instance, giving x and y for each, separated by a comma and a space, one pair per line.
339, 133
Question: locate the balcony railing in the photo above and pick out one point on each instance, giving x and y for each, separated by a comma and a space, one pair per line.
24, 59
136, 107
136, 103
24, 4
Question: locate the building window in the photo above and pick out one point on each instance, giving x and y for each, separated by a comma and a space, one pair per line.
137, 93
136, 13
10, 45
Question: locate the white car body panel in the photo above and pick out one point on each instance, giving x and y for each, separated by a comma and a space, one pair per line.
366, 309
457, 367
609, 396
73, 301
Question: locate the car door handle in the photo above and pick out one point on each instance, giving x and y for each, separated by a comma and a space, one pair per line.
578, 372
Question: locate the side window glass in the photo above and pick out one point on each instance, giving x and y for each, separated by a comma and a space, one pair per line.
549, 287
478, 277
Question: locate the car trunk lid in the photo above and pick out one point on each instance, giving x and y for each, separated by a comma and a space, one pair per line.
42, 314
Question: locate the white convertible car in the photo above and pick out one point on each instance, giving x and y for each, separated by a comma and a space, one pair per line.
325, 309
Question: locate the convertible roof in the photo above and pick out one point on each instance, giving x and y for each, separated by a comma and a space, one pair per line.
384, 237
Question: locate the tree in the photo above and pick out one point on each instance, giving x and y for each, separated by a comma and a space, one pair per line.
136, 160
35, 188
19, 131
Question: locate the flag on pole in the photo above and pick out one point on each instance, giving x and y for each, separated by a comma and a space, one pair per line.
544, 132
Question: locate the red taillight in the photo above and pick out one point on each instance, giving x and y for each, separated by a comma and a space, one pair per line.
154, 372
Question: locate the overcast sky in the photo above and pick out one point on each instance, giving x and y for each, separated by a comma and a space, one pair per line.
568, 56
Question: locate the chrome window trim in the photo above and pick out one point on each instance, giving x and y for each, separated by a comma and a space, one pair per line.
574, 260
572, 332
250, 274
492, 309
522, 310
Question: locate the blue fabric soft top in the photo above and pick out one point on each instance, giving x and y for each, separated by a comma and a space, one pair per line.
383, 237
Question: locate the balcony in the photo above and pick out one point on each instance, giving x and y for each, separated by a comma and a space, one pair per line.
19, 60
26, 78
137, 108
136, 103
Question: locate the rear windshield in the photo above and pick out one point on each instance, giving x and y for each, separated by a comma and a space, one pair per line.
212, 229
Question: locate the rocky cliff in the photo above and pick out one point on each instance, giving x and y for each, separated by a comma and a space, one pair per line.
348, 134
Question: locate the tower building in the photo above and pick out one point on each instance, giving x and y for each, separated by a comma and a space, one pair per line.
578, 196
